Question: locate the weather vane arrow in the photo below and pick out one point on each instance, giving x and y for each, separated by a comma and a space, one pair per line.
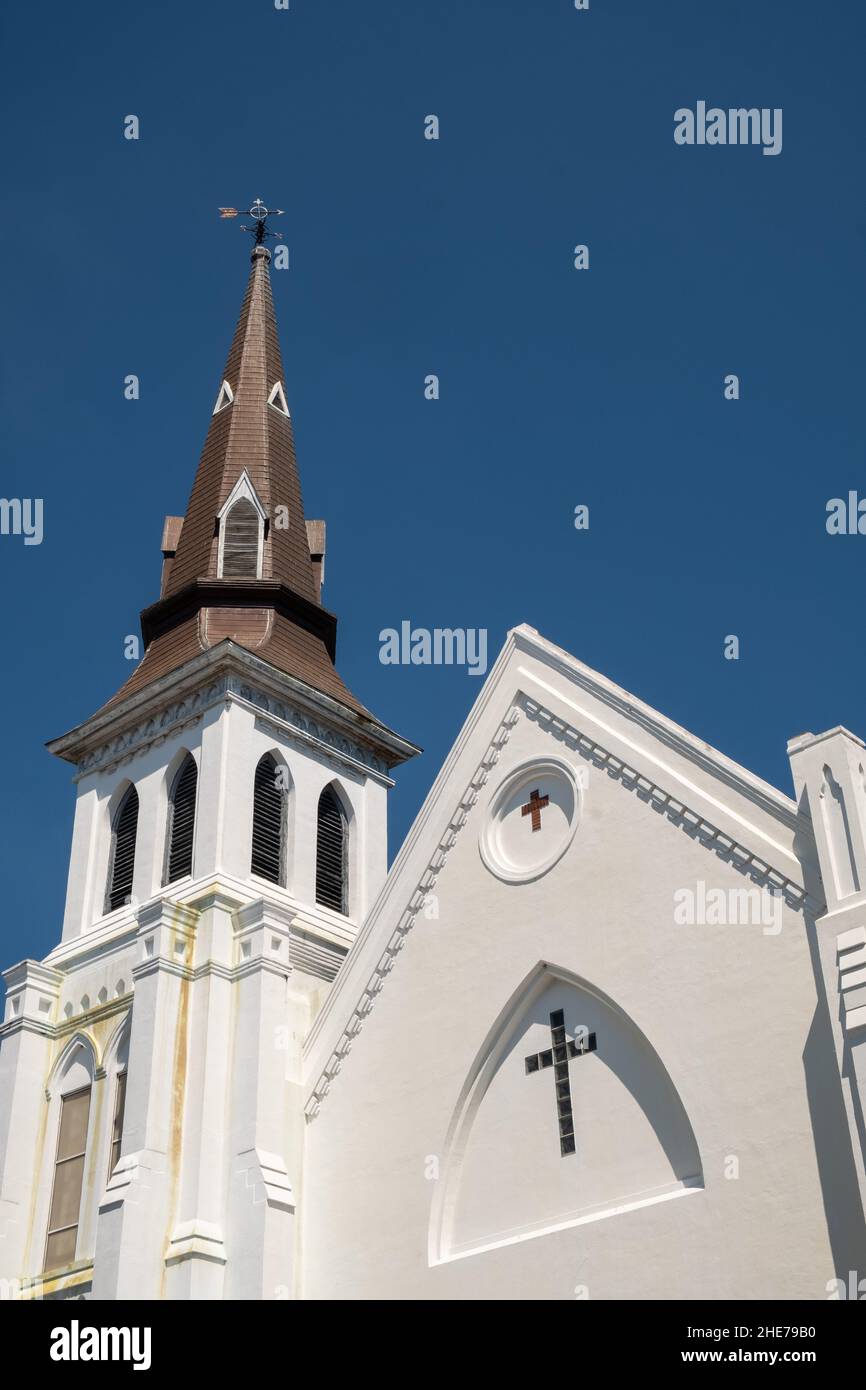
260, 230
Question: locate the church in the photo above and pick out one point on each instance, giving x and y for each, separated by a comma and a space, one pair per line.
598, 1033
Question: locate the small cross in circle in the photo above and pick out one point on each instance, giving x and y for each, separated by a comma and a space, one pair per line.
534, 807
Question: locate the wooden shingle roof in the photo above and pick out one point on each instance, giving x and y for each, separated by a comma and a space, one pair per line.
279, 615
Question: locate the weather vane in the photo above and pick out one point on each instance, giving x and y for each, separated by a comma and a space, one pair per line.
260, 213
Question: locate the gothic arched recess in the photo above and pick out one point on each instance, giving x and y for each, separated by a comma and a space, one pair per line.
567, 1115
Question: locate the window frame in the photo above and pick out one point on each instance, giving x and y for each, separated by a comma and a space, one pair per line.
68, 1158
279, 766
242, 490
107, 906
119, 1106
332, 788
169, 820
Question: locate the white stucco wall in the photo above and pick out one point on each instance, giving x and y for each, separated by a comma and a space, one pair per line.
731, 1013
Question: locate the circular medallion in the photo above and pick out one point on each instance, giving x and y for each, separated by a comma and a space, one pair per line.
531, 820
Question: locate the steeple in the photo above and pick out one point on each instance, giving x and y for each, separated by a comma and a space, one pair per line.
250, 431
238, 566
230, 837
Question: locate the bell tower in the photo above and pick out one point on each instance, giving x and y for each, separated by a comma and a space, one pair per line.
229, 839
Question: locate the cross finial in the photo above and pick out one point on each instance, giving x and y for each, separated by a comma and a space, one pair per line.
260, 214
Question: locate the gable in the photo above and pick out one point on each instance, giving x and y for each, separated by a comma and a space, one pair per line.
737, 817
421, 1089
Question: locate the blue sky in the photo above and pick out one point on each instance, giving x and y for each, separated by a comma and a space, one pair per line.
409, 257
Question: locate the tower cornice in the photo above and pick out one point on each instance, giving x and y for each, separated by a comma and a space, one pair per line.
167, 613
228, 672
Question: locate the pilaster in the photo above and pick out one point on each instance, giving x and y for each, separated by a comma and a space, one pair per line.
26, 1040
829, 773
196, 1254
264, 1146
136, 1213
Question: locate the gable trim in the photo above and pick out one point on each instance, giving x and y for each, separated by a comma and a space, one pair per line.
662, 729
691, 822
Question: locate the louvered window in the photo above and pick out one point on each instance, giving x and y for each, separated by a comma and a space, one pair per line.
240, 547
122, 863
269, 818
331, 846
181, 820
68, 1179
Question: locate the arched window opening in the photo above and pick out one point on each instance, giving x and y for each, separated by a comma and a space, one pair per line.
181, 820
331, 853
269, 820
240, 547
63, 1215
122, 860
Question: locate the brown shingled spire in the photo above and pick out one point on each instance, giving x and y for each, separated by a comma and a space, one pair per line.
277, 614
249, 434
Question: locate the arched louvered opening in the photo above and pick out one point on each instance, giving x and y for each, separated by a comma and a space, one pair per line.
240, 545
181, 821
269, 820
122, 861
332, 843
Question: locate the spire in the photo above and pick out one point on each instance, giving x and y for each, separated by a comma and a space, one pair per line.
250, 431
238, 565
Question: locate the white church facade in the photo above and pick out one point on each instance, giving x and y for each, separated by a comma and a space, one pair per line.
600, 1032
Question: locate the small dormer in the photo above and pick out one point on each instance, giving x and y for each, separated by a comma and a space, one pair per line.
277, 398
242, 523
225, 398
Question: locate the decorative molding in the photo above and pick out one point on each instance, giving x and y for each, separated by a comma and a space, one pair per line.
266, 1178
851, 951
189, 710
692, 822
311, 730
196, 1240
424, 888
150, 732
552, 771
111, 727
321, 959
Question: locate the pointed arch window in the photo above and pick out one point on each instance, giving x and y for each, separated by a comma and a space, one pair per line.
242, 525
331, 853
269, 820
181, 821
121, 863
63, 1216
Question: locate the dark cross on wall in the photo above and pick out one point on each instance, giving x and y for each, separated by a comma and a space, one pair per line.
558, 1055
534, 807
